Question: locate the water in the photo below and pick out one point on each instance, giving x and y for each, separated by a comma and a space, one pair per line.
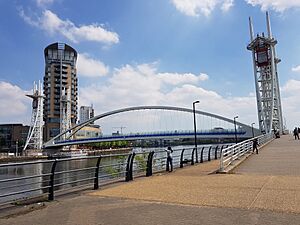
110, 168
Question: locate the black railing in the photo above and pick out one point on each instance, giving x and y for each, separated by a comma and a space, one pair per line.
48, 177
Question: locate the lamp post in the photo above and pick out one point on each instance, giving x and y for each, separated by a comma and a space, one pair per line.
195, 129
17, 147
252, 129
235, 128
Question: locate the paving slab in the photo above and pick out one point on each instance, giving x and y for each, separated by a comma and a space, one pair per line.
91, 210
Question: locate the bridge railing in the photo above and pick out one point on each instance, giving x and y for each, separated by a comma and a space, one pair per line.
47, 178
234, 152
132, 136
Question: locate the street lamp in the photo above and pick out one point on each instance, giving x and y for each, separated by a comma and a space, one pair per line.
235, 128
17, 147
195, 129
252, 130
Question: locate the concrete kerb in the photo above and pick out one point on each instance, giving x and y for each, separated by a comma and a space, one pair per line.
236, 163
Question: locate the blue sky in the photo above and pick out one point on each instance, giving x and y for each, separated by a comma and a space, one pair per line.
158, 52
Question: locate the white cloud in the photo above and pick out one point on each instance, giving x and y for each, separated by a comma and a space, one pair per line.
43, 3
52, 24
296, 69
290, 95
143, 85
89, 67
186, 78
201, 7
14, 105
291, 87
227, 5
277, 5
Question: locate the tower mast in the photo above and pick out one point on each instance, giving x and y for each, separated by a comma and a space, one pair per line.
266, 79
35, 135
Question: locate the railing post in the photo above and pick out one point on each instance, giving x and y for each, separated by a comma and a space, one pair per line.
51, 183
149, 164
131, 167
193, 152
96, 180
221, 161
216, 152
197, 160
208, 158
201, 159
221, 150
127, 178
181, 159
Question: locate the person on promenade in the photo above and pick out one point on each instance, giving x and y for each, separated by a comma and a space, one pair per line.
296, 133
169, 159
255, 145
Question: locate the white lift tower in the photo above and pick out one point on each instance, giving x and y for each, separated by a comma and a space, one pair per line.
266, 79
66, 111
35, 134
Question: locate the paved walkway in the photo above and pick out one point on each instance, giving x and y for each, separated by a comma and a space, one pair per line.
265, 189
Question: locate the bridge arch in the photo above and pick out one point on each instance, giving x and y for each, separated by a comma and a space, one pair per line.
69, 133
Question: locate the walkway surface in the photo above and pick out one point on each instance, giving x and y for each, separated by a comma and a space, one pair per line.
265, 189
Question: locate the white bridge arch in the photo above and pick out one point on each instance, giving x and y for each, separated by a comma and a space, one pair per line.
64, 139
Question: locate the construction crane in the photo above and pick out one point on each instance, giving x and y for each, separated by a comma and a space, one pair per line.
121, 128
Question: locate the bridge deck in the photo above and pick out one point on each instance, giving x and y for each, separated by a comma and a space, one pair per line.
265, 189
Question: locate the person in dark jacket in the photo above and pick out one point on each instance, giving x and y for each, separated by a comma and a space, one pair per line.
255, 145
169, 159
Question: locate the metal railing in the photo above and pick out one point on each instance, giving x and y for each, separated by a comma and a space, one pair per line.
234, 152
46, 178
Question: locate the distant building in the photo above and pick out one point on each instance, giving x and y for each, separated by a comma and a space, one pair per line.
12, 136
90, 131
60, 78
86, 113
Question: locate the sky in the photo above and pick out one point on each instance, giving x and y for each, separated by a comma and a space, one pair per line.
157, 52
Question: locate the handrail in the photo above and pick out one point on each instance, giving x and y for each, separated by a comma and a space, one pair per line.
63, 174
234, 152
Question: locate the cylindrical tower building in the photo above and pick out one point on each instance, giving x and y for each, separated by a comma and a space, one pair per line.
60, 78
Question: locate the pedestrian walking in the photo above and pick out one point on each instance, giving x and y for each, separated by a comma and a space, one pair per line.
169, 166
255, 145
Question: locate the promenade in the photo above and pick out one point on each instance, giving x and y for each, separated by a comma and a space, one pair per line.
264, 189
